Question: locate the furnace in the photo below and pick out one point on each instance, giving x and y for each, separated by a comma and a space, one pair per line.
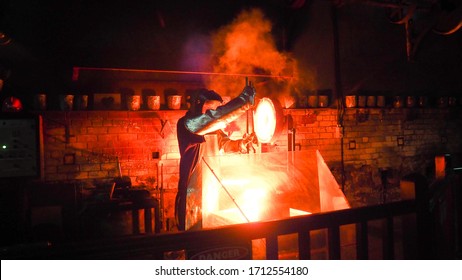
245, 188
242, 188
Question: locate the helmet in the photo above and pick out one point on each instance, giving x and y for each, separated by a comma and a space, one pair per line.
197, 98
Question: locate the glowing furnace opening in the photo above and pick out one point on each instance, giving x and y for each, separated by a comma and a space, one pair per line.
263, 187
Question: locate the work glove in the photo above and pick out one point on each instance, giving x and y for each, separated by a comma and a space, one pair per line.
247, 143
248, 94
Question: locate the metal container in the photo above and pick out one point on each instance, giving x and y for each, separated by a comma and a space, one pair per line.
371, 101
66, 102
302, 101
313, 101
134, 102
381, 101
362, 100
350, 101
442, 102
82, 102
153, 102
397, 102
323, 101
422, 101
174, 102
410, 101
41, 102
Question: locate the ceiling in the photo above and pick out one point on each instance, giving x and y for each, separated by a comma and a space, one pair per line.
51, 36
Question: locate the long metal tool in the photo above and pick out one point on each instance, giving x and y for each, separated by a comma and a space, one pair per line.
249, 120
226, 190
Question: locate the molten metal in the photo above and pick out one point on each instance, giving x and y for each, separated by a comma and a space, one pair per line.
266, 186
266, 120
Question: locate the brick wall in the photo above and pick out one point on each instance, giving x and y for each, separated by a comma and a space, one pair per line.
86, 146
398, 141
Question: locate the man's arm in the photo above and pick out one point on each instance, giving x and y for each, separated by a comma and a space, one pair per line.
214, 120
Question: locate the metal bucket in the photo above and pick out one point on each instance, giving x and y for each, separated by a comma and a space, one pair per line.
323, 101
313, 101
362, 99
350, 101
154, 102
381, 101
174, 102
134, 102
371, 101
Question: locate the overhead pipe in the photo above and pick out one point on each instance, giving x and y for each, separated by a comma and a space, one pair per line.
76, 72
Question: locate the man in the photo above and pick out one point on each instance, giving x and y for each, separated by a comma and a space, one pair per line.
205, 115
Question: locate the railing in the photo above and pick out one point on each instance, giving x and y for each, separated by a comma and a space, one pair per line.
407, 230
445, 209
156, 246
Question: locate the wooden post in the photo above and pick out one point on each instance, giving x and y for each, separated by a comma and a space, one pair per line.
304, 245
362, 242
272, 247
334, 243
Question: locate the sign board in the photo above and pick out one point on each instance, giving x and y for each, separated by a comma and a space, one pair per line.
19, 146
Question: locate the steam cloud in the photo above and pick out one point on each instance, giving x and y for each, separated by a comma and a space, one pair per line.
246, 46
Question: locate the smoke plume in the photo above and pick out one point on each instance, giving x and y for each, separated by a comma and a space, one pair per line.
246, 47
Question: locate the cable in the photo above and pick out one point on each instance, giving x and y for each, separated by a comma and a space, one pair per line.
226, 190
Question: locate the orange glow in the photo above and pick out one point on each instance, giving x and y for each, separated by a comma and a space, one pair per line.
267, 186
251, 200
235, 182
265, 120
288, 101
253, 203
246, 45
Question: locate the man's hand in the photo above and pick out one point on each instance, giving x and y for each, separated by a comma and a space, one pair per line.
248, 93
247, 143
